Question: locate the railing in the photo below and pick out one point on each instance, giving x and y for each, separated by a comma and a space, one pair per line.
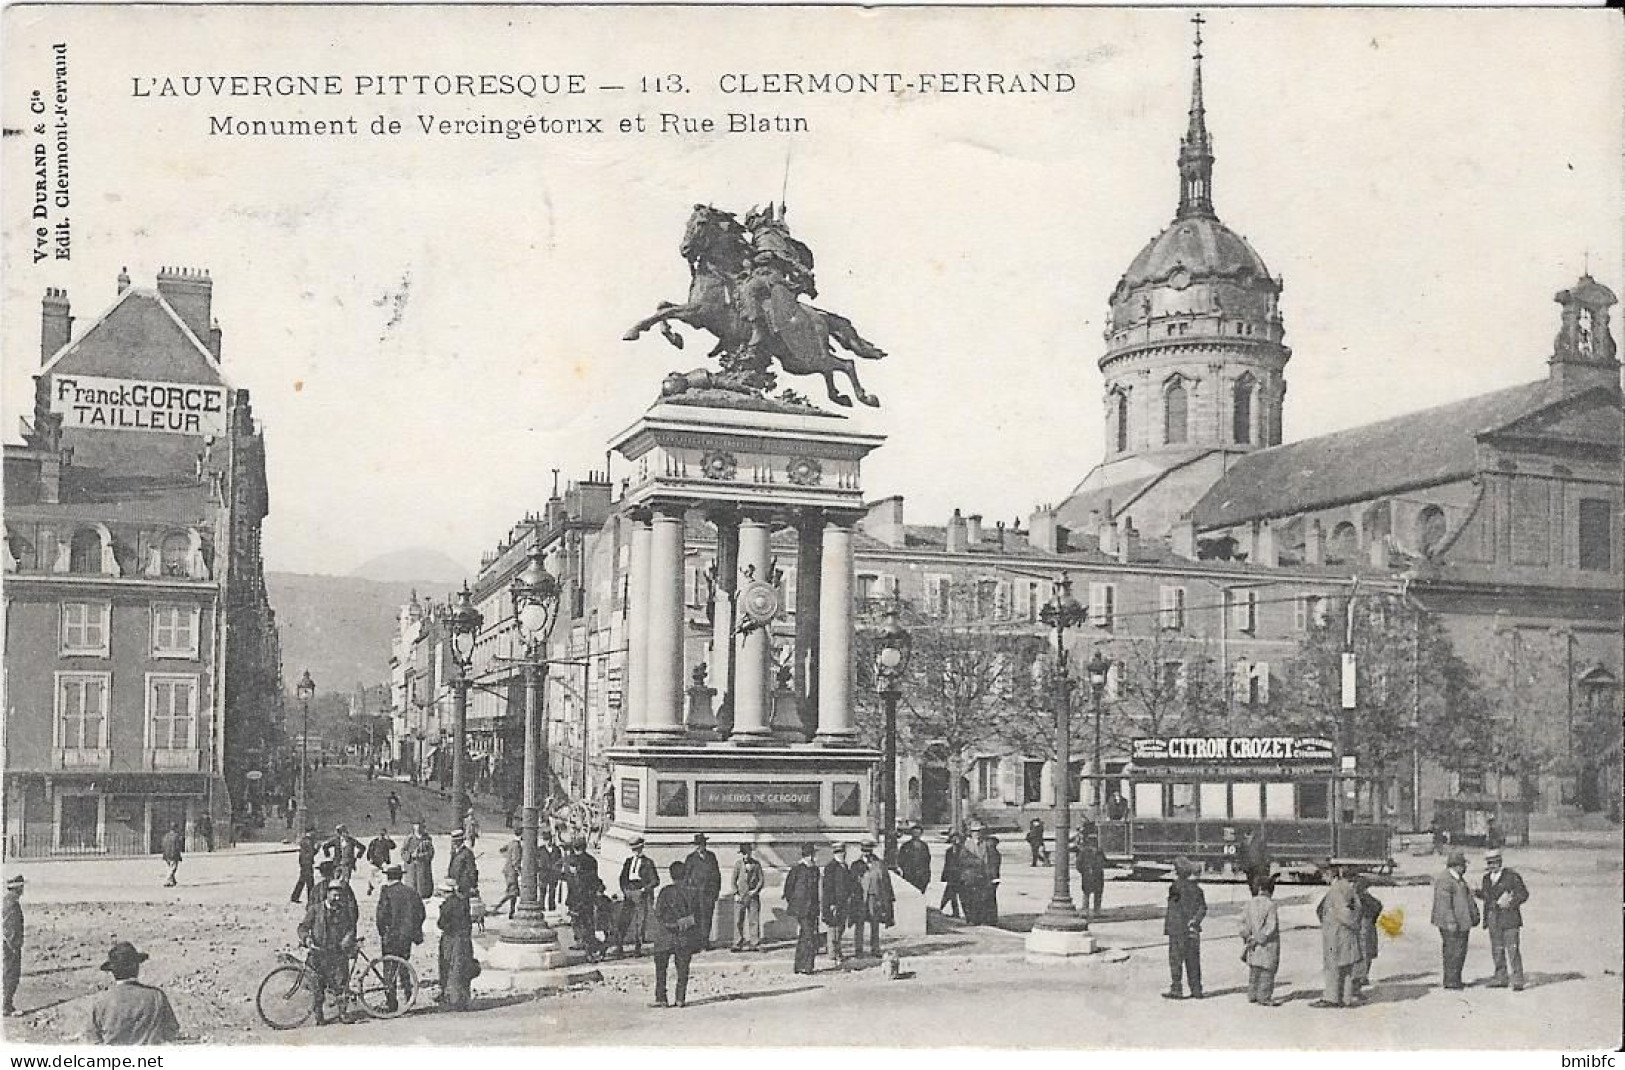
83, 758
174, 761
40, 842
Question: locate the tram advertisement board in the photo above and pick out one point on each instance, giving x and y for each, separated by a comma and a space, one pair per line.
1306, 751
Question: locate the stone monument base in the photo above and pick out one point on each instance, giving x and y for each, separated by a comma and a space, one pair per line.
1048, 945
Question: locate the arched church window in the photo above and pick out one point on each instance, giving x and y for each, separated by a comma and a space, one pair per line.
1174, 408
1121, 417
1430, 526
85, 552
1344, 545
1241, 420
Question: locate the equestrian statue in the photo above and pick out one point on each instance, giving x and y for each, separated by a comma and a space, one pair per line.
751, 287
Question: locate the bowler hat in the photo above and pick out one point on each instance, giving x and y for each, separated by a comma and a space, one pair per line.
867, 843
699, 838
15, 882
1457, 858
123, 958
1492, 856
635, 841
446, 887
746, 848
393, 870
458, 834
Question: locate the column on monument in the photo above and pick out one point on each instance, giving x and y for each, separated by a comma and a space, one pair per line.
637, 620
835, 635
725, 582
809, 571
754, 647
663, 681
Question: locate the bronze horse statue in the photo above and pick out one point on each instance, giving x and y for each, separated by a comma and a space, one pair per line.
741, 292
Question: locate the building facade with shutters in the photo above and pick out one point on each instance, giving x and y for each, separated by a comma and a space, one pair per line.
142, 660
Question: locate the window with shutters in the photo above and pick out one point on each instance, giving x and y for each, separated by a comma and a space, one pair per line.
987, 778
1032, 781
1258, 684
1116, 680
174, 631
1034, 602
986, 599
1001, 601
936, 595
81, 710
1243, 610
868, 592
171, 712
1596, 534
1173, 609
1102, 604
85, 628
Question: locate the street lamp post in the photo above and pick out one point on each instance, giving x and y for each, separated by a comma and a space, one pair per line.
890, 665
535, 595
1098, 669
465, 622
1061, 930
306, 690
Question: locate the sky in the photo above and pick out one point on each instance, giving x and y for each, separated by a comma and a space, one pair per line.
430, 325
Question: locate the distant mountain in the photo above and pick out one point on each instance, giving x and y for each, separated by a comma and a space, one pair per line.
415, 564
339, 627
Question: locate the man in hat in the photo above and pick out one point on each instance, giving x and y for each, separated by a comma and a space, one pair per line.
839, 897
639, 879
344, 849
417, 854
130, 1012
914, 859
1091, 863
1504, 895
328, 929
801, 901
704, 875
549, 869
1454, 915
875, 900
307, 864
379, 850
1035, 842
676, 932
748, 882
1370, 911
170, 847
461, 866
986, 870
394, 804
13, 927
511, 872
582, 889
399, 919
1261, 942
457, 965
1339, 912
1182, 924
952, 877
328, 881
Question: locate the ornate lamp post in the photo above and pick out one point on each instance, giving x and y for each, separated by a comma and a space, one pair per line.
1061, 930
1098, 669
891, 663
306, 690
535, 595
464, 622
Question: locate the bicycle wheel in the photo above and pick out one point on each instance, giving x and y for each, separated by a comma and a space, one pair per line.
378, 997
286, 998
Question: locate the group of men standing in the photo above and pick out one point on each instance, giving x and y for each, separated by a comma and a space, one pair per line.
857, 896
970, 876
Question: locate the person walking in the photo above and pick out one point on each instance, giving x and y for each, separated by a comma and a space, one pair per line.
639, 879
417, 855
510, 876
471, 826
801, 899
583, 890
329, 931
1261, 943
345, 850
1504, 895
1454, 915
307, 865
1182, 924
458, 967
394, 804
914, 859
705, 880
748, 882
676, 933
1035, 842
1339, 912
838, 895
1091, 863
170, 847
952, 885
549, 870
462, 868
1370, 911
875, 900
130, 1013
379, 851
12, 925
399, 918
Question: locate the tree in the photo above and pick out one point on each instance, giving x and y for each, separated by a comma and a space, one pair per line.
1166, 685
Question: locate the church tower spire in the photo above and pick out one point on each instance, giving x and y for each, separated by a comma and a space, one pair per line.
1196, 147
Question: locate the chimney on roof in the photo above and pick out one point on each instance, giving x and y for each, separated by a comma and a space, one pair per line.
955, 537
1377, 552
56, 326
1128, 545
1183, 537
123, 279
1314, 544
1000, 535
1042, 529
1266, 550
214, 339
973, 529
1106, 536
190, 292
884, 521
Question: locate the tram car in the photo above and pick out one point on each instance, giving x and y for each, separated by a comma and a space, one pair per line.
1209, 799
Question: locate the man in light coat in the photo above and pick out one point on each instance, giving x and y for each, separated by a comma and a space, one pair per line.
1261, 942
417, 855
875, 901
1454, 915
1339, 912
748, 881
1504, 895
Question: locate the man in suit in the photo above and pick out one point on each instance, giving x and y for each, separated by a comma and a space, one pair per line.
329, 931
345, 849
1339, 912
581, 898
399, 918
379, 851
1454, 915
952, 877
171, 849
1182, 924
14, 941
1504, 895
461, 867
130, 1012
838, 894
875, 902
676, 932
801, 897
1091, 863
704, 875
748, 882
639, 879
914, 859
307, 864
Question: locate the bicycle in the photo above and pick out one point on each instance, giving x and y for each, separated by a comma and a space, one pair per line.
287, 996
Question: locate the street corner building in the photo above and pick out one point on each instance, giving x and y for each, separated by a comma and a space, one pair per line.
142, 663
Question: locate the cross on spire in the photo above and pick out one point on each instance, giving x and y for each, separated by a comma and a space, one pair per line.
1196, 148
1197, 20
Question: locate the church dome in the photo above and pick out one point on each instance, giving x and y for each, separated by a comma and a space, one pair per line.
1202, 247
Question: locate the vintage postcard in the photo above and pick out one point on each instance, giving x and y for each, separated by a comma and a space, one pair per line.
804, 527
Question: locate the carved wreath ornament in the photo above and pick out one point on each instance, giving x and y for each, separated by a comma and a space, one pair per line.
805, 472
719, 464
